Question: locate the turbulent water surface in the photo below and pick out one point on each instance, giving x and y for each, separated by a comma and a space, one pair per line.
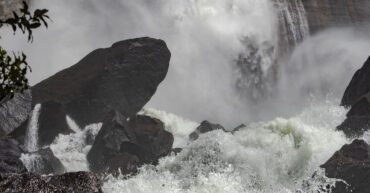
282, 155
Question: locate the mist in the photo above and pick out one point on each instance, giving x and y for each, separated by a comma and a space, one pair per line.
205, 37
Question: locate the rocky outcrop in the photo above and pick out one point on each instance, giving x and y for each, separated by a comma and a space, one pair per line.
121, 78
358, 86
322, 14
357, 97
205, 127
78, 182
14, 111
10, 153
43, 162
351, 164
126, 144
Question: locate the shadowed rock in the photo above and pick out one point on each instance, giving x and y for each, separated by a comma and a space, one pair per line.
121, 78
15, 111
357, 97
358, 86
126, 144
10, 153
351, 164
205, 127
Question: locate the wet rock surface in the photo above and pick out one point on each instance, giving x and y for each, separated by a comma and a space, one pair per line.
357, 98
10, 153
126, 144
78, 182
358, 86
43, 162
351, 164
205, 127
14, 111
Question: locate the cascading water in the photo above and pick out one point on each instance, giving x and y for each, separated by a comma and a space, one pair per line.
31, 140
72, 124
293, 24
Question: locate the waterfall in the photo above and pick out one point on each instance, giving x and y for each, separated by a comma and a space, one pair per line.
31, 140
72, 124
293, 24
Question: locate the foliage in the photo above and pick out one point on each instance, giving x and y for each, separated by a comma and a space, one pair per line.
13, 69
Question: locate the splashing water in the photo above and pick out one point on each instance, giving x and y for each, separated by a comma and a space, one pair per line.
72, 149
276, 156
31, 162
31, 140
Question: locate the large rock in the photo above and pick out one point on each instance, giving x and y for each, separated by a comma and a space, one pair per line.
15, 111
78, 182
43, 162
358, 86
357, 97
351, 164
121, 78
205, 127
10, 153
125, 145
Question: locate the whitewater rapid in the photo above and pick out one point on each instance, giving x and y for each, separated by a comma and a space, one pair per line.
281, 156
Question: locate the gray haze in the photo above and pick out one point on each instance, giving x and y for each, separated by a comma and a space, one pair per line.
205, 39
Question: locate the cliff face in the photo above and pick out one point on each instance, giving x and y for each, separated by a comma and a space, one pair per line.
322, 14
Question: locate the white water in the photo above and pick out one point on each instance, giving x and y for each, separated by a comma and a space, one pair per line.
72, 149
31, 138
32, 162
276, 156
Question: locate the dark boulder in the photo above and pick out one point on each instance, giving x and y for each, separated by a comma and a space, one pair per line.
43, 162
358, 119
51, 122
126, 144
238, 128
121, 78
14, 111
358, 86
355, 126
351, 164
357, 97
10, 153
205, 127
78, 182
